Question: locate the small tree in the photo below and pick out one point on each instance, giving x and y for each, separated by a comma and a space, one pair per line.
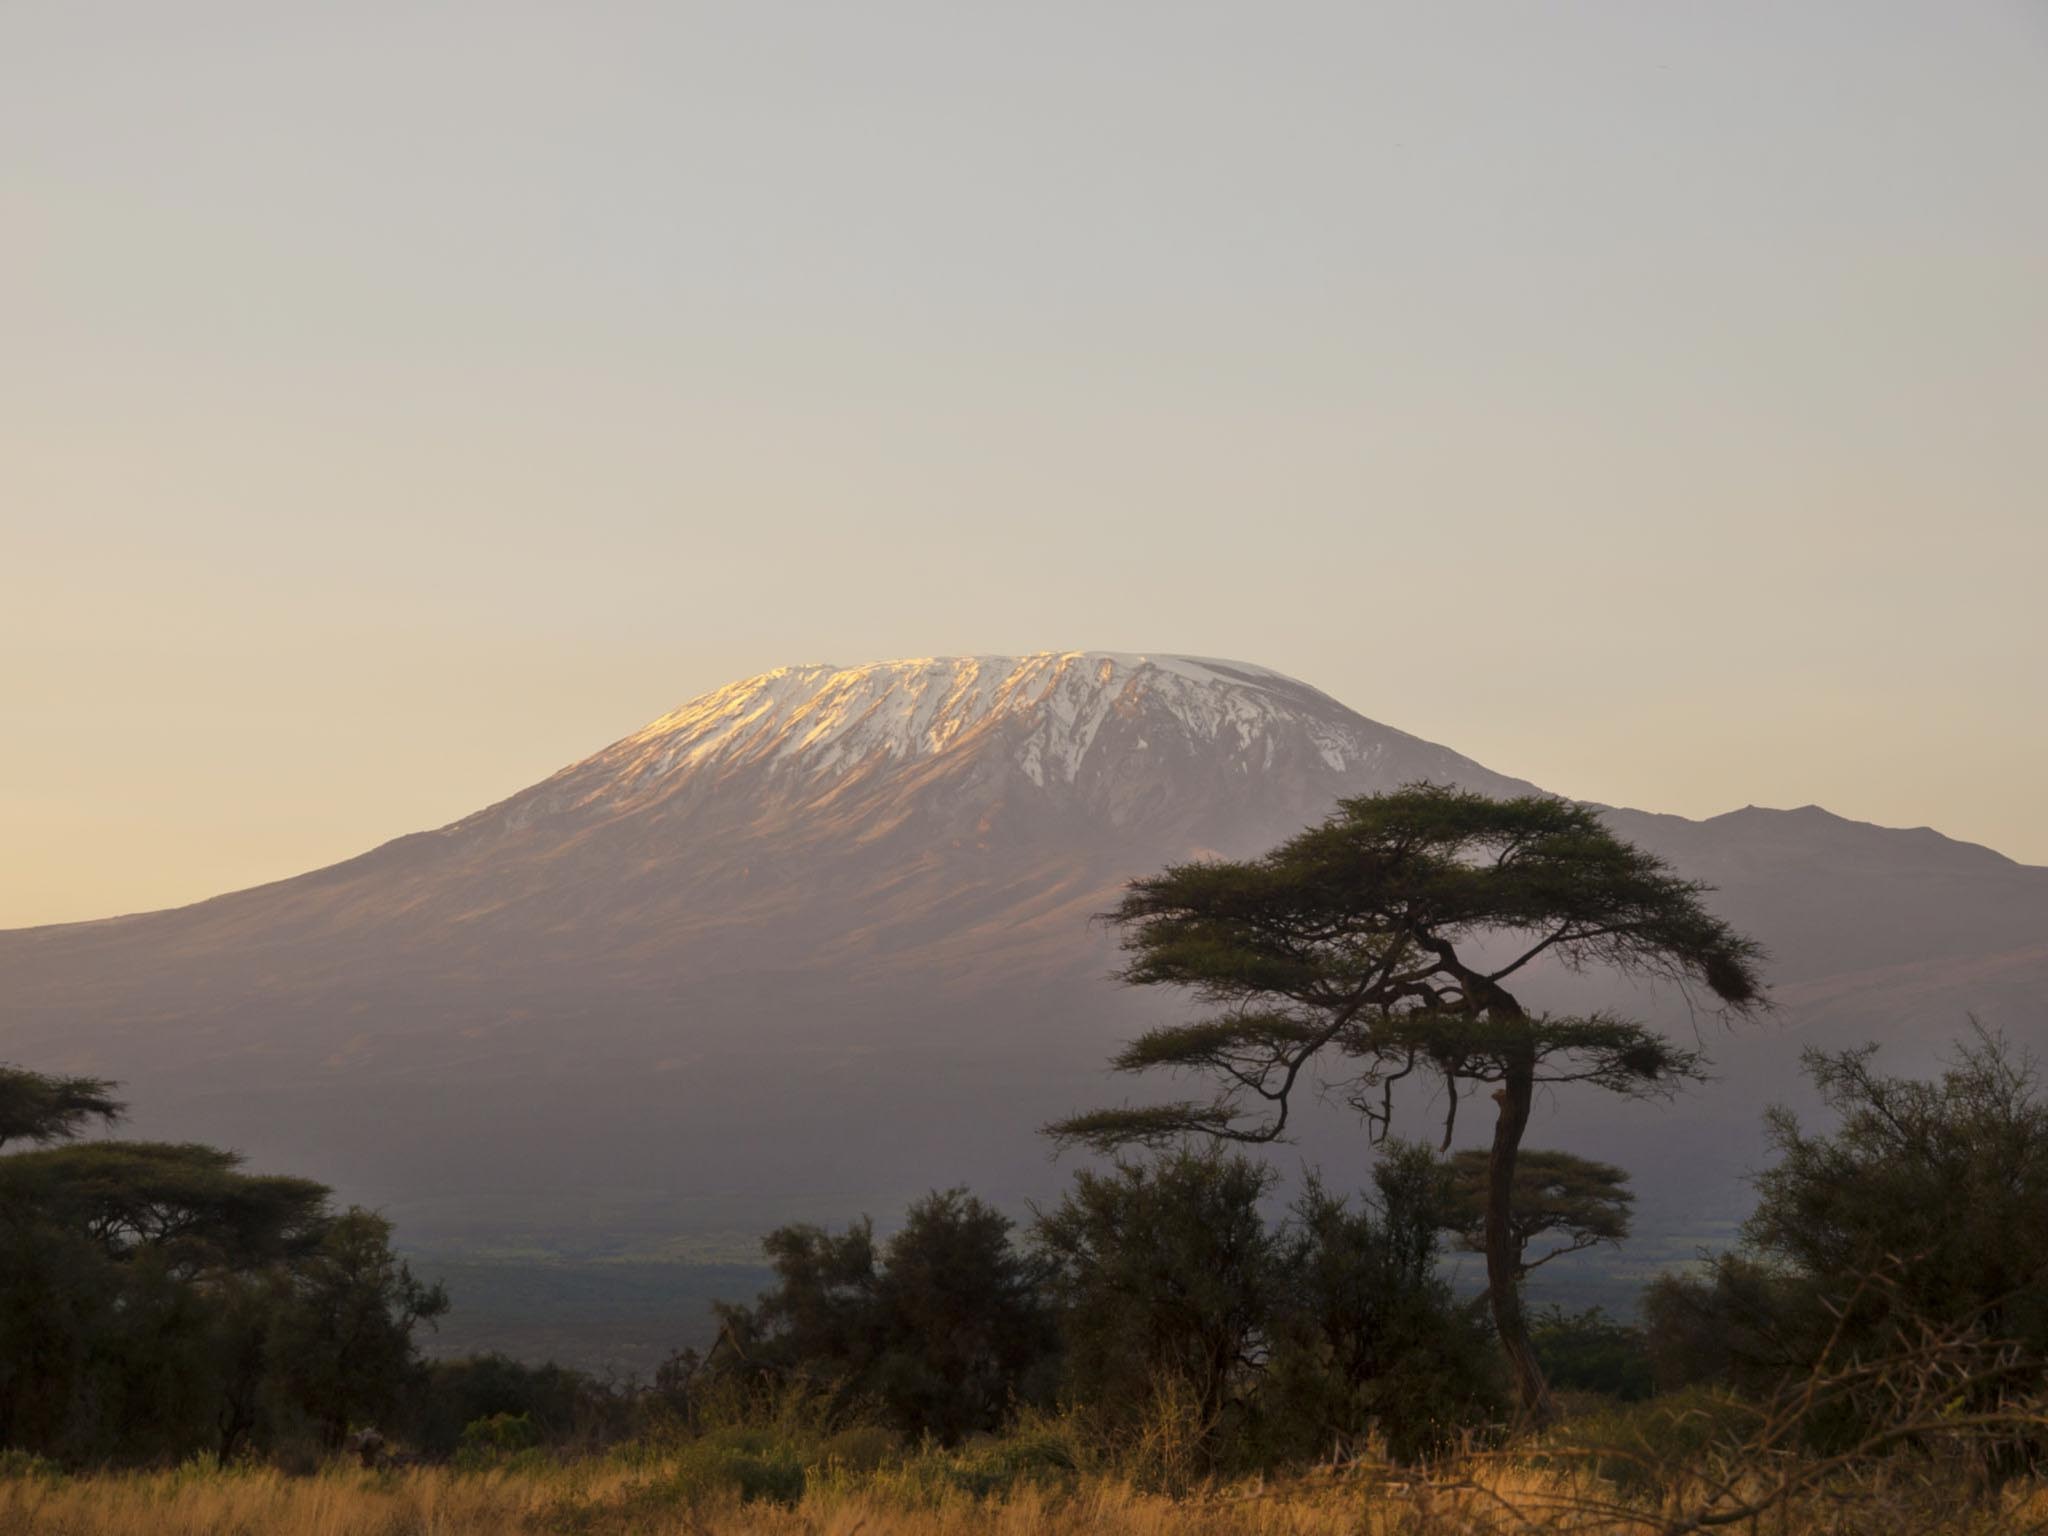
1574, 1200
1927, 1205
965, 1323
158, 1299
1168, 1280
343, 1347
941, 1327
1945, 1182
819, 1324
1370, 1337
1380, 945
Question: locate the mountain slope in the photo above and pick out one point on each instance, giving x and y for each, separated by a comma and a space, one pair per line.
739, 830
820, 940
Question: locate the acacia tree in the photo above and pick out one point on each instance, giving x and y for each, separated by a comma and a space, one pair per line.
41, 1109
1575, 1200
1380, 945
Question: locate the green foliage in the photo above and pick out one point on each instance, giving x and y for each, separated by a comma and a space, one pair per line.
1196, 1336
158, 1302
562, 1405
859, 1448
941, 1328
1940, 1187
43, 1109
966, 1329
717, 1465
1742, 1323
1344, 941
1035, 1451
1369, 1340
1590, 1352
130, 1305
189, 1206
1927, 1204
1645, 1446
1352, 954
495, 1441
343, 1345
22, 1465
1167, 1278
1572, 1200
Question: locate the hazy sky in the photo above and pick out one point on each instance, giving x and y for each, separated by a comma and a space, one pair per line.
400, 401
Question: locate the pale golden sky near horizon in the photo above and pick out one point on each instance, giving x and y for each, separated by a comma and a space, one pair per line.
398, 402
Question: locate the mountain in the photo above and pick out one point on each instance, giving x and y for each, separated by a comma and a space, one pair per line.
785, 941
821, 939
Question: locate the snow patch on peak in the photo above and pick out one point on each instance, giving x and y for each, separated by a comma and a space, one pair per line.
821, 719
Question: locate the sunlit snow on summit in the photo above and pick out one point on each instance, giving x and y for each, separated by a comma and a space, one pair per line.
821, 719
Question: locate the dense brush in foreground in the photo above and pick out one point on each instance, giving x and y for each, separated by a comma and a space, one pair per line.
608, 1499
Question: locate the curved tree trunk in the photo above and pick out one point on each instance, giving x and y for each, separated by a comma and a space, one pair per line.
1503, 1282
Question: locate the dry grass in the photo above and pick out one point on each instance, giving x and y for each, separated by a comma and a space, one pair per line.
599, 1499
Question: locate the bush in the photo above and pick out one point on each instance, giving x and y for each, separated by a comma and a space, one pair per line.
752, 1469
1041, 1445
939, 1329
494, 1441
1170, 1446
1038, 1452
561, 1405
860, 1448
1591, 1352
1168, 1279
19, 1464
1368, 1339
1925, 1210
1649, 1446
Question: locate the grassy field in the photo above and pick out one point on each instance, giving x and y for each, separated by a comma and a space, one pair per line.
696, 1492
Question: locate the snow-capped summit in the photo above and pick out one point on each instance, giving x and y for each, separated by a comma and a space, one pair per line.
1054, 717
827, 718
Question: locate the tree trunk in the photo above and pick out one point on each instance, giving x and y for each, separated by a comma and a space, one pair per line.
1503, 1281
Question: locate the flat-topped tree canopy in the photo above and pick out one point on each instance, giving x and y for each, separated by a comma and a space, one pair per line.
1573, 1201
1391, 878
190, 1205
1383, 941
39, 1108
1357, 939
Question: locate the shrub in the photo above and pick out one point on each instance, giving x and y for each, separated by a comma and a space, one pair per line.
1169, 1447
1649, 1446
858, 1448
1592, 1352
493, 1441
1369, 1341
1169, 1279
938, 1329
15, 1463
562, 1405
753, 1470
